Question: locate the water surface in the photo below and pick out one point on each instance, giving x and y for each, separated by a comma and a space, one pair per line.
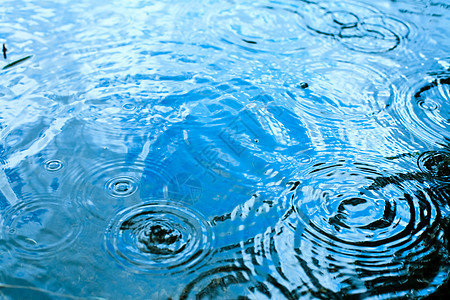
224, 149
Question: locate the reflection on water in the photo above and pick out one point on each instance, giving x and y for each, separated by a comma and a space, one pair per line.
224, 149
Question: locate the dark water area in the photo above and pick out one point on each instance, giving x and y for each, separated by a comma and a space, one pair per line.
225, 149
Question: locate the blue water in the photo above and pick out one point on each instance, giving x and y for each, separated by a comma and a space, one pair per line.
224, 149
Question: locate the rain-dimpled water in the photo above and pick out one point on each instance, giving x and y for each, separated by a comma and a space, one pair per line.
224, 149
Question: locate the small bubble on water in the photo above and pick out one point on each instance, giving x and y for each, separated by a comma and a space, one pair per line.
121, 186
428, 104
303, 85
129, 106
53, 165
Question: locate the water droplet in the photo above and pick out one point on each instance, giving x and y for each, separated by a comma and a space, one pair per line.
347, 90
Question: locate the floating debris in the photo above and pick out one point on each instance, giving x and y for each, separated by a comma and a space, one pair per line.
4, 51
16, 62
303, 85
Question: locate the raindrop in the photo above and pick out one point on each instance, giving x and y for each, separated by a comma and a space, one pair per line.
347, 90
344, 19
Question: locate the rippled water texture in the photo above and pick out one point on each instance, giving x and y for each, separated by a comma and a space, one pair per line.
211, 149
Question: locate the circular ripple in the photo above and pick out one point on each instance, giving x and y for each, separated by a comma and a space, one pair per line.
122, 105
347, 90
376, 232
255, 27
40, 228
234, 282
435, 163
122, 186
158, 238
358, 214
422, 105
53, 165
360, 28
104, 187
115, 115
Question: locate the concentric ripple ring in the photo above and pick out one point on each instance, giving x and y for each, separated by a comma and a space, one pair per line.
39, 229
422, 105
158, 238
374, 231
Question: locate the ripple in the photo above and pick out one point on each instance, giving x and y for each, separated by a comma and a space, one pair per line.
273, 27
53, 165
106, 186
118, 105
122, 186
435, 163
237, 137
40, 228
344, 91
159, 238
229, 278
359, 27
378, 234
115, 116
422, 105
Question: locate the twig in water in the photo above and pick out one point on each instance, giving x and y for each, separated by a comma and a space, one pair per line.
4, 51
16, 62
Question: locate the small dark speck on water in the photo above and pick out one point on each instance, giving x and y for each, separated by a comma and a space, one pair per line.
303, 85
250, 42
4, 51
